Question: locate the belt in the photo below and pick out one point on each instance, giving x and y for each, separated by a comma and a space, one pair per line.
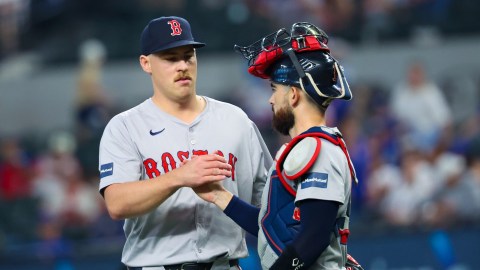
189, 266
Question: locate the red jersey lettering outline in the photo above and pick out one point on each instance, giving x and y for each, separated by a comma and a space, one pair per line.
200, 152
232, 160
169, 162
151, 168
183, 155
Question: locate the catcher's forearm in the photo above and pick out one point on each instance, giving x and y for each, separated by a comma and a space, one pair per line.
313, 237
244, 214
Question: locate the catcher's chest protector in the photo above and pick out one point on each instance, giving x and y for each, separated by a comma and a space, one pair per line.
281, 222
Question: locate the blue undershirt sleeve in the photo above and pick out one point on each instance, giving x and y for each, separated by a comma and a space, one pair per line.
244, 214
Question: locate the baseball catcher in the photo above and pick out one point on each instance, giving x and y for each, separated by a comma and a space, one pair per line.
303, 222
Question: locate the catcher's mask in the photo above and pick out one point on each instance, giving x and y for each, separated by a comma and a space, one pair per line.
299, 58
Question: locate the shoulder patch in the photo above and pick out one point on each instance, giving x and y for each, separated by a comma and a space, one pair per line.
106, 169
301, 157
315, 179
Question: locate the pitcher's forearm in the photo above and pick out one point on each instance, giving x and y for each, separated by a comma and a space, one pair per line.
132, 199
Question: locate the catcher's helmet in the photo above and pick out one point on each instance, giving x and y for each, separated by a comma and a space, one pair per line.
299, 58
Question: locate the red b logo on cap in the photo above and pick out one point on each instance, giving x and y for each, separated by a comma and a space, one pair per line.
176, 29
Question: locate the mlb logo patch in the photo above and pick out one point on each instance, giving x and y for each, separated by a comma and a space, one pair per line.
314, 179
106, 169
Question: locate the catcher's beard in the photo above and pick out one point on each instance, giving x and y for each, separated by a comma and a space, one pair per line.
283, 120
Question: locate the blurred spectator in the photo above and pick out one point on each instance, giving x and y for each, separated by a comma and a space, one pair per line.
15, 171
447, 166
17, 207
358, 149
421, 108
331, 16
13, 18
379, 123
383, 179
448, 169
92, 106
91, 100
402, 206
472, 177
458, 202
68, 203
377, 19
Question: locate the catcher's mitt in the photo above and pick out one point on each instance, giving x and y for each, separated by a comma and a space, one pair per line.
352, 264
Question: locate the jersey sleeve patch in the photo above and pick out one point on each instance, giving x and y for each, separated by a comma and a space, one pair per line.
106, 169
315, 179
301, 157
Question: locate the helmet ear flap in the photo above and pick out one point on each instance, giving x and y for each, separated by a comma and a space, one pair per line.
308, 85
324, 95
345, 92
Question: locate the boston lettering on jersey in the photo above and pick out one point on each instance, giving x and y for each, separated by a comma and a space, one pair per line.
171, 161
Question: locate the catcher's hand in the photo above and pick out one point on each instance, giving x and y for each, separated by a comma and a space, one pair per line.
352, 264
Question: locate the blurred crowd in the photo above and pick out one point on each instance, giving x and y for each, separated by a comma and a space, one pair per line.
418, 157
415, 145
49, 183
54, 27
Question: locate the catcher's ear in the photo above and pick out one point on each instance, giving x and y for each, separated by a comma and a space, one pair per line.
145, 64
294, 95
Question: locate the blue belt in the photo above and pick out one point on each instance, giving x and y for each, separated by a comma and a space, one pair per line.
189, 266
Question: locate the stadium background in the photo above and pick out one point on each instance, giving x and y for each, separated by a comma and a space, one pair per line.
67, 66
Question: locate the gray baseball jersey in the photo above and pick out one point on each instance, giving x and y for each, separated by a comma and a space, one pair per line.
145, 142
328, 178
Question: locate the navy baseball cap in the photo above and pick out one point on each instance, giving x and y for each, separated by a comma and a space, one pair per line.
165, 33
